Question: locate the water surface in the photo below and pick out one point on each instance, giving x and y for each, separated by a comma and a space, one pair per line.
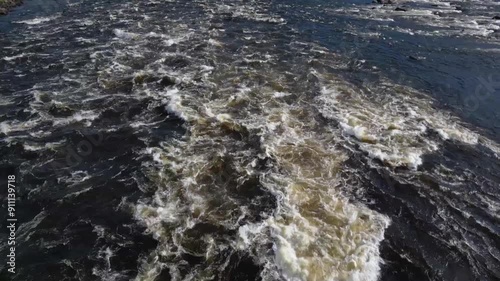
253, 140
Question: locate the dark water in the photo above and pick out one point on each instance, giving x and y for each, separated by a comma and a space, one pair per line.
252, 140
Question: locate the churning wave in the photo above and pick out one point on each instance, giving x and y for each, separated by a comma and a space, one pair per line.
242, 146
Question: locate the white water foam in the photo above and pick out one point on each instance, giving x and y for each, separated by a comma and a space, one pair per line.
388, 125
36, 21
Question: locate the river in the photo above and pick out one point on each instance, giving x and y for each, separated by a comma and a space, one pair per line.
252, 140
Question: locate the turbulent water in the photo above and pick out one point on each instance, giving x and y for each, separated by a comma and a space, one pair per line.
252, 140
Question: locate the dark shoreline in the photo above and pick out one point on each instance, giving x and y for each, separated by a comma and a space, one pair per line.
7, 5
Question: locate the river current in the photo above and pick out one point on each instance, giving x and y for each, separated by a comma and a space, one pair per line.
252, 140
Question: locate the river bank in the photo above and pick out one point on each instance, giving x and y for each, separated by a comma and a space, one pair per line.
7, 5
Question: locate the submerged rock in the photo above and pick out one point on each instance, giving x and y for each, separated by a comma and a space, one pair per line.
144, 78
44, 97
167, 81
59, 110
123, 85
176, 62
7, 5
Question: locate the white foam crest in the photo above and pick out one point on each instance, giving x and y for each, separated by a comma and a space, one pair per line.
251, 12
303, 229
120, 33
492, 145
26, 229
5, 127
10, 126
307, 234
443, 18
169, 40
174, 105
317, 234
38, 147
379, 132
85, 115
36, 21
22, 55
107, 275
390, 125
